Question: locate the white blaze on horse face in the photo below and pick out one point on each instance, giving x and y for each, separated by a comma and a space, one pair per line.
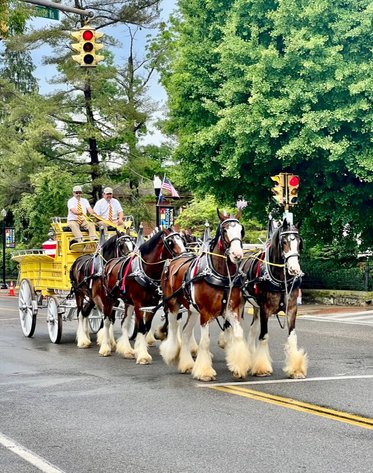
291, 257
234, 231
180, 244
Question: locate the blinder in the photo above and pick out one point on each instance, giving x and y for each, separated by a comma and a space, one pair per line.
231, 220
291, 232
167, 244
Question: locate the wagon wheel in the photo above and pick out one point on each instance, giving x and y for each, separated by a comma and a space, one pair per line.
95, 320
28, 308
54, 320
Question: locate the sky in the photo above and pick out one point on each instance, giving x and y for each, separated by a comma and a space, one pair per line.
156, 92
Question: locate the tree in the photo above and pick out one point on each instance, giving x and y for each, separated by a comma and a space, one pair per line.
92, 130
105, 111
200, 211
258, 87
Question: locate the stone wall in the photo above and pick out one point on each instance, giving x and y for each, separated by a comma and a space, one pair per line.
334, 297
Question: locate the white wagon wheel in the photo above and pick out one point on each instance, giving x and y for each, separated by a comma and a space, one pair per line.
94, 320
28, 309
54, 320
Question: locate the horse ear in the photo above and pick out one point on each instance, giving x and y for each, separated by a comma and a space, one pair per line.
285, 224
220, 215
238, 214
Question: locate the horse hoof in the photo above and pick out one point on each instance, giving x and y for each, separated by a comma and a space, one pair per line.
105, 353
84, 345
128, 356
297, 376
207, 378
238, 375
144, 361
262, 375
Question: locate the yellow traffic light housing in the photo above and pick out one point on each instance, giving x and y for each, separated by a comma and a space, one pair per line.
278, 190
87, 46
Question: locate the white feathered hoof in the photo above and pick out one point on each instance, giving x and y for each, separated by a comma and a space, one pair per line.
144, 359
105, 350
238, 358
150, 340
84, 342
262, 363
208, 375
296, 361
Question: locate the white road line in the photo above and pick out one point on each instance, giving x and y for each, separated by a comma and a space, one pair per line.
287, 380
30, 457
367, 321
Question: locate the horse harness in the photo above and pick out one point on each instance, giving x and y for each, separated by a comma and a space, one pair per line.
133, 267
260, 274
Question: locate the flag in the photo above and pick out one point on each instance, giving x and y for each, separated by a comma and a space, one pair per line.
167, 186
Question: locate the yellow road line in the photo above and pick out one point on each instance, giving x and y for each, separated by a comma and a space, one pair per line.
340, 416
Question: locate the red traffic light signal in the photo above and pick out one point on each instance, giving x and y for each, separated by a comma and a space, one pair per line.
292, 190
87, 46
87, 35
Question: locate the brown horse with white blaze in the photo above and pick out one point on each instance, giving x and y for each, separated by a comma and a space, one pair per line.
136, 280
208, 286
273, 279
86, 278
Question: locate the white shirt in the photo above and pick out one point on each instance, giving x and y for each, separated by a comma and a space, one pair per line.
73, 203
101, 208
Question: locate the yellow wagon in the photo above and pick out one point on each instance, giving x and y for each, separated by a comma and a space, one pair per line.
47, 277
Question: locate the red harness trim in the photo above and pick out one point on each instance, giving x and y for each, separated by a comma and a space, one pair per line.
125, 274
257, 273
195, 269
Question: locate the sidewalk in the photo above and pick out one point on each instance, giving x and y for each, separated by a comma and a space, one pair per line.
304, 309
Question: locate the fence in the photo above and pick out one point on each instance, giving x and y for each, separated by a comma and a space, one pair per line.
331, 275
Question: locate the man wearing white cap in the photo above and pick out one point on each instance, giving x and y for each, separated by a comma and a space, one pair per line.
78, 208
109, 208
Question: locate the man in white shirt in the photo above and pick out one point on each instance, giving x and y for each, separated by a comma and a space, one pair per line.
109, 209
78, 207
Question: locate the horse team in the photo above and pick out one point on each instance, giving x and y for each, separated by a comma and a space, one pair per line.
215, 282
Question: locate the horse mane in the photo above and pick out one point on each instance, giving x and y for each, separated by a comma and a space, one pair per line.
216, 238
148, 246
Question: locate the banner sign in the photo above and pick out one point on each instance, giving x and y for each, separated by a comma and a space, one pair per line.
10, 237
166, 216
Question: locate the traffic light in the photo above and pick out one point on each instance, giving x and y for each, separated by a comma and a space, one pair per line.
87, 46
293, 185
278, 190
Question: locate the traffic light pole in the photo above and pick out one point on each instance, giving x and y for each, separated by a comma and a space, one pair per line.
56, 6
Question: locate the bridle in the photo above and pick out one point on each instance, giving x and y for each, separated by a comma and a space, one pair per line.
227, 244
122, 239
167, 244
291, 253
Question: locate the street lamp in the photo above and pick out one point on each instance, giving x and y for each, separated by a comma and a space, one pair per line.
157, 183
3, 213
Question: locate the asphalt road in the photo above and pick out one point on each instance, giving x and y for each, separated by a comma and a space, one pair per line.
70, 410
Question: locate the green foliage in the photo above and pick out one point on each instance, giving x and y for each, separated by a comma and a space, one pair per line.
330, 275
204, 210
51, 190
259, 87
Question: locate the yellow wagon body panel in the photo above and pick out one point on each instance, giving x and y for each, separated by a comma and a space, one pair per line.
50, 275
